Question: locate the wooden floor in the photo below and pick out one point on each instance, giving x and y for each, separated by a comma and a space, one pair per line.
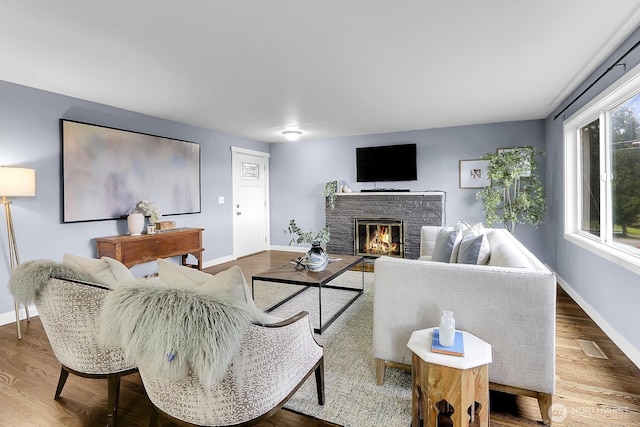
594, 392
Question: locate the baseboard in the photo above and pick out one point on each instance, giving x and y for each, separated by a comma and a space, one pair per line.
10, 317
625, 346
300, 249
212, 262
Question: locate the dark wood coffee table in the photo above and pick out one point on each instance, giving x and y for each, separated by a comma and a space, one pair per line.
288, 274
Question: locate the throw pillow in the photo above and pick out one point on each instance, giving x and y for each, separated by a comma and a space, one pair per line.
469, 249
485, 250
170, 272
229, 284
445, 244
464, 227
104, 271
461, 225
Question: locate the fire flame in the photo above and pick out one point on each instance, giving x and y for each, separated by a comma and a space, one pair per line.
380, 242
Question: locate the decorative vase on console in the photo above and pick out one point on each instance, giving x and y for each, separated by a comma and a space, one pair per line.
447, 328
317, 258
135, 221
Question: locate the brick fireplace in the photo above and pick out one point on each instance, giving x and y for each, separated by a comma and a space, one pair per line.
411, 209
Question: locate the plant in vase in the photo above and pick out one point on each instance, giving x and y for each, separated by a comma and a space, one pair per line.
316, 258
151, 210
330, 190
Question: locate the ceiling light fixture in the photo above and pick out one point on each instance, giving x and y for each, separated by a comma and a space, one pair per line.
292, 135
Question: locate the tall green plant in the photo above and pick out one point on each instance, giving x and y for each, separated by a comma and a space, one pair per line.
515, 194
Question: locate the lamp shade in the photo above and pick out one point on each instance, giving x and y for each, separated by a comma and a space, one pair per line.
17, 182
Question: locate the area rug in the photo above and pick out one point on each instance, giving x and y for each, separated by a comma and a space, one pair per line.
352, 397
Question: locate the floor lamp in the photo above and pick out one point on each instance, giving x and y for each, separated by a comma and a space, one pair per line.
15, 182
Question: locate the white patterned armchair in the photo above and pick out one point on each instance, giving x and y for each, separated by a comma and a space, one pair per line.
203, 358
272, 363
69, 312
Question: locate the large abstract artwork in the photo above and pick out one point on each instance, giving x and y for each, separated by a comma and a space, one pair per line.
106, 172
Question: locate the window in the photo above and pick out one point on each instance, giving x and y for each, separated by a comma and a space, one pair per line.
602, 174
590, 161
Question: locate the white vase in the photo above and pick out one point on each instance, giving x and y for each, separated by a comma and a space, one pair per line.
447, 329
135, 221
317, 258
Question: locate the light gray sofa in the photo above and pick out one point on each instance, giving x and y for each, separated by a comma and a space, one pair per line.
509, 303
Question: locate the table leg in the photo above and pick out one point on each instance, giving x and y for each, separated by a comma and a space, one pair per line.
416, 392
320, 308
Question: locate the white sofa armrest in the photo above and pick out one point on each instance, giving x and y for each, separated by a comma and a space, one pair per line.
428, 236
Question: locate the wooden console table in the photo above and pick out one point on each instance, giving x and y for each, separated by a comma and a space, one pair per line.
132, 250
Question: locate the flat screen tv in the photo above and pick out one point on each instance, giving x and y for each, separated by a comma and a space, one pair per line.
386, 163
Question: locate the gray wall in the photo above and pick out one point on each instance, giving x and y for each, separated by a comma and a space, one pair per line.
300, 170
608, 293
30, 137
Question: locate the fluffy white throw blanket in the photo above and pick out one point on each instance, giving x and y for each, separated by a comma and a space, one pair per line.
169, 330
27, 278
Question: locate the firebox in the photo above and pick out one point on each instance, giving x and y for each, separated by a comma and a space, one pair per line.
377, 237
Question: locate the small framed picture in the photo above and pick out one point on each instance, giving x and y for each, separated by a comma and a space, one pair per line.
524, 153
474, 173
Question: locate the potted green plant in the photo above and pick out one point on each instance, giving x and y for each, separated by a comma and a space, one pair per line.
316, 258
515, 194
322, 236
330, 190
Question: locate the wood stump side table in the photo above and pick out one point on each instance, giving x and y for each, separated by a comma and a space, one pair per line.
458, 386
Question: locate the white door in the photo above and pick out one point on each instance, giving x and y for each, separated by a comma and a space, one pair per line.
250, 171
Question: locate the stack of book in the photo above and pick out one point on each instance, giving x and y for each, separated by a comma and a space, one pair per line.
457, 349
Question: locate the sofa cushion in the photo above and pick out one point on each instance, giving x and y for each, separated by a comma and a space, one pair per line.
445, 244
104, 271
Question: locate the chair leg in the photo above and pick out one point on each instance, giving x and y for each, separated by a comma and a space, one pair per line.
113, 393
320, 381
153, 416
64, 374
17, 309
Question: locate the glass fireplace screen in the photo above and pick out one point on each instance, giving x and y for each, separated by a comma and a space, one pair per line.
376, 237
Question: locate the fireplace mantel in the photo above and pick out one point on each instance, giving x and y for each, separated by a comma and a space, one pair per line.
414, 208
392, 193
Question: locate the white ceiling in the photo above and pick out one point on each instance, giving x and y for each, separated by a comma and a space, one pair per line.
328, 68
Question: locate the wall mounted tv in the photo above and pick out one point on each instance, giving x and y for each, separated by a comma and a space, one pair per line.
386, 163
